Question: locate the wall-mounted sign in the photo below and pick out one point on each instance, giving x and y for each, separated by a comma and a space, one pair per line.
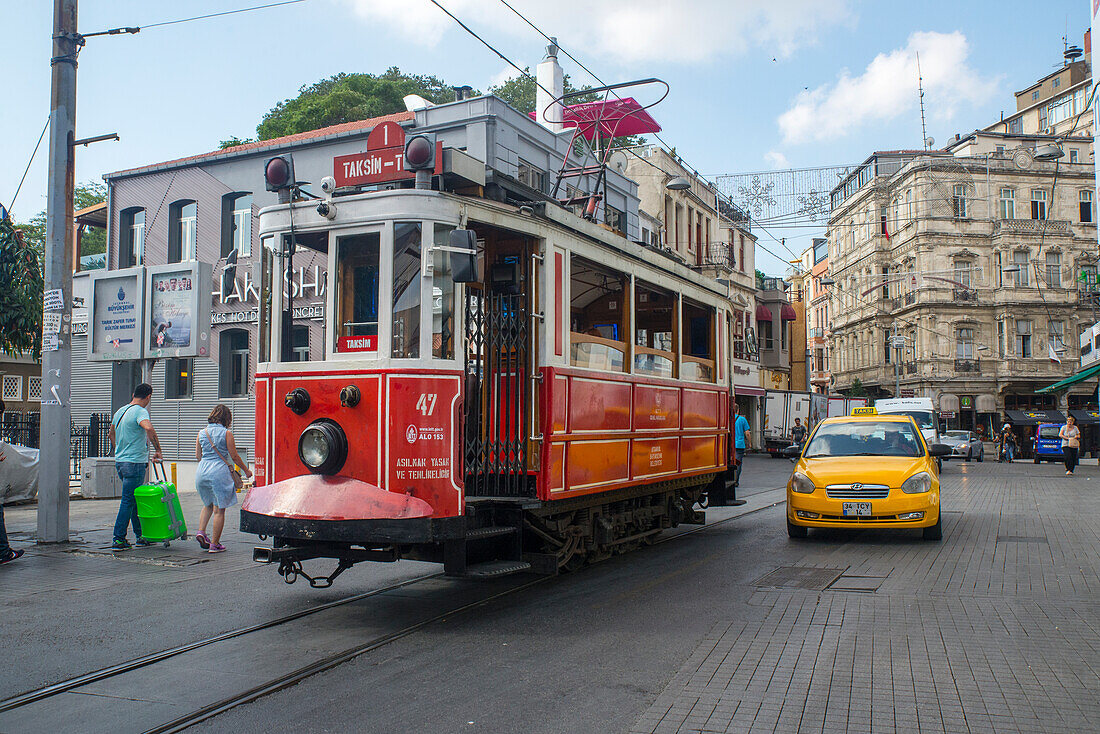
117, 315
382, 161
177, 314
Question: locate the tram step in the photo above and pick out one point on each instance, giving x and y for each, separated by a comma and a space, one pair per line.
492, 569
492, 531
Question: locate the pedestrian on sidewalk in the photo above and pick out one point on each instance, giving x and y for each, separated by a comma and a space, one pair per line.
7, 554
217, 478
130, 433
1071, 444
741, 440
1008, 444
798, 432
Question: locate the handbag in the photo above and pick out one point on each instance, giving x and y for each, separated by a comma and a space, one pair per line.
236, 475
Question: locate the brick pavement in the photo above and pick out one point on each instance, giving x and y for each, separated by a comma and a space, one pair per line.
995, 629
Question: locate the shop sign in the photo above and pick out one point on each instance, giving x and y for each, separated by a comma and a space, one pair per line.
947, 414
313, 311
908, 393
966, 402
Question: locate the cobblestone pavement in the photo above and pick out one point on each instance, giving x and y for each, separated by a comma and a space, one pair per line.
994, 629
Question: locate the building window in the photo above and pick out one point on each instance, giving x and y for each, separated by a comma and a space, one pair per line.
741, 256
299, 346
999, 152
13, 387
531, 176
1055, 83
34, 388
958, 201
1038, 204
1054, 269
885, 281
1001, 339
1086, 205
1023, 338
1006, 204
887, 347
1073, 156
233, 364
963, 271
1087, 281
614, 218
1043, 118
182, 231
1035, 95
964, 343
997, 269
1016, 126
131, 249
1056, 335
237, 224
1019, 262
178, 374
908, 205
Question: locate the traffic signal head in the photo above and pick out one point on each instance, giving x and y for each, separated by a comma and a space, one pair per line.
419, 152
279, 173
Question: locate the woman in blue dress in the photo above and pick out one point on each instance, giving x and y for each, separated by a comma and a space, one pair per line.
215, 449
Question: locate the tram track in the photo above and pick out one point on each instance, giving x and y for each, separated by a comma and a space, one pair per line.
297, 675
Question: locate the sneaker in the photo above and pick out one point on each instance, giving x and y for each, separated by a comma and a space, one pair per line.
10, 556
1068, 473
120, 545
216, 548
203, 540
142, 543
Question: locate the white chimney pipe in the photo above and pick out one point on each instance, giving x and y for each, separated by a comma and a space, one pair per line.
549, 76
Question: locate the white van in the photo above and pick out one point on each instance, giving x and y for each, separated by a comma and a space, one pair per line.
922, 411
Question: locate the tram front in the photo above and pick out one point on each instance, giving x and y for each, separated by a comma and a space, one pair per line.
359, 451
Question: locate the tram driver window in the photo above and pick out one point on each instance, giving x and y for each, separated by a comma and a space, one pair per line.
698, 342
596, 317
357, 292
406, 290
654, 351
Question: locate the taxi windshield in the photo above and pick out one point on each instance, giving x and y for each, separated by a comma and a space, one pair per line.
864, 438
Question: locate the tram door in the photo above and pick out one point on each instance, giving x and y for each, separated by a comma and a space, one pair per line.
498, 368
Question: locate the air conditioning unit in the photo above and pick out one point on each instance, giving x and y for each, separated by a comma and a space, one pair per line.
98, 478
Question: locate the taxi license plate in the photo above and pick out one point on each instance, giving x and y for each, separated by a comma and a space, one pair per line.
857, 509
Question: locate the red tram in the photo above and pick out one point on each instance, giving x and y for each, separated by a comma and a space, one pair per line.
503, 387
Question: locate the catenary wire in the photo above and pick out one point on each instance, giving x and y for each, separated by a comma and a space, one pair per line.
29, 162
218, 15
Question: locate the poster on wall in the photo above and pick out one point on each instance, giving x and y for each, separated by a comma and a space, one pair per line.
116, 315
177, 312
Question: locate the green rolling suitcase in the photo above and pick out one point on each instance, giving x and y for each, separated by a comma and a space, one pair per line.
158, 509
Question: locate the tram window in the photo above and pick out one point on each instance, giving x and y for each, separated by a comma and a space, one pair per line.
299, 350
443, 297
596, 317
654, 353
406, 290
698, 342
357, 292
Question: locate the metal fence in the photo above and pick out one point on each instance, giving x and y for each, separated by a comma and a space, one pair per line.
23, 429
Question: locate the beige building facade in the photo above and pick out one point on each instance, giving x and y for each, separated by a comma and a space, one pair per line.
983, 261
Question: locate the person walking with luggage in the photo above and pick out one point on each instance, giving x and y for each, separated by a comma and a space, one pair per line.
1008, 444
217, 477
130, 433
1071, 444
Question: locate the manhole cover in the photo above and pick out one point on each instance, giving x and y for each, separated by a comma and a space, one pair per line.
1022, 539
799, 577
867, 584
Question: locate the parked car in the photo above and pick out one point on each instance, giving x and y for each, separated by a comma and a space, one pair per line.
1047, 445
964, 445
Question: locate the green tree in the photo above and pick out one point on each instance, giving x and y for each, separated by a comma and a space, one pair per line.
233, 142
347, 98
94, 241
20, 293
857, 390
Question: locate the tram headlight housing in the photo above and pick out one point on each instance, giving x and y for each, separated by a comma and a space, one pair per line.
323, 447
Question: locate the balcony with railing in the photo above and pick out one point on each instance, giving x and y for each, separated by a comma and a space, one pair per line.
964, 295
1030, 226
714, 255
968, 365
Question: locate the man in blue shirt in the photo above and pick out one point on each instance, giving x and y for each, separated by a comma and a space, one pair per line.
741, 440
130, 433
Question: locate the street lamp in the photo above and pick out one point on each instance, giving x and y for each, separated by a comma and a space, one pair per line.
827, 282
1048, 152
678, 183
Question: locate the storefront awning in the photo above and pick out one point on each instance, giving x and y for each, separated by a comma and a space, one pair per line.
740, 390
1082, 375
1034, 417
949, 402
787, 313
763, 313
1086, 417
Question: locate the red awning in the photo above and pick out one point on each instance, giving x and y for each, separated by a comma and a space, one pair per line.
787, 313
763, 313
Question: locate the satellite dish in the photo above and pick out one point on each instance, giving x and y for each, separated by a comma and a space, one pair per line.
414, 102
929, 142
618, 161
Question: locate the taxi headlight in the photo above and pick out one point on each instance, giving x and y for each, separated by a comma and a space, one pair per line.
801, 483
917, 483
323, 447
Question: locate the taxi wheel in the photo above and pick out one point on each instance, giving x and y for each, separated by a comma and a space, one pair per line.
936, 531
796, 531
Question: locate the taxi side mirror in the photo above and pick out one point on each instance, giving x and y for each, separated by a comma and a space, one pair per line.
792, 452
939, 449
462, 245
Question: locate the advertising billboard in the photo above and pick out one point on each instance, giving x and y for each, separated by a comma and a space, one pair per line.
115, 319
177, 310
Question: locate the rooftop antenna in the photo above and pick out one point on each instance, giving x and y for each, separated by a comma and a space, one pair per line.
920, 88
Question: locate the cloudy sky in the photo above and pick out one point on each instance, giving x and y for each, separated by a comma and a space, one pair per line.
756, 84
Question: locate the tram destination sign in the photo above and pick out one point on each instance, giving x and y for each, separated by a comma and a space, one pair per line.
382, 161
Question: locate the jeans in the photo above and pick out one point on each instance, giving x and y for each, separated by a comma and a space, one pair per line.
132, 475
1069, 454
5, 549
740, 463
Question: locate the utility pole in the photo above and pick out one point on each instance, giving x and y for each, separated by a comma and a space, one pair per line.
54, 441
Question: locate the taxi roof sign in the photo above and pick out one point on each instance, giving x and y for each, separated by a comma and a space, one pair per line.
864, 411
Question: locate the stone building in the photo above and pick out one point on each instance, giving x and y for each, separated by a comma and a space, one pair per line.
984, 261
817, 316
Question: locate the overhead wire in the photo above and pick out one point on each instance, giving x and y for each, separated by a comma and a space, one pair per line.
29, 162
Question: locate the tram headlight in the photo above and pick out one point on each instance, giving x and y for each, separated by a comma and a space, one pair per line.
323, 447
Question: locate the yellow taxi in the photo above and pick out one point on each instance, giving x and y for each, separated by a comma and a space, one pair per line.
862, 471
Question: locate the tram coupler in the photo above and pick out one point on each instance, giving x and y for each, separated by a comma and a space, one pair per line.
267, 554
